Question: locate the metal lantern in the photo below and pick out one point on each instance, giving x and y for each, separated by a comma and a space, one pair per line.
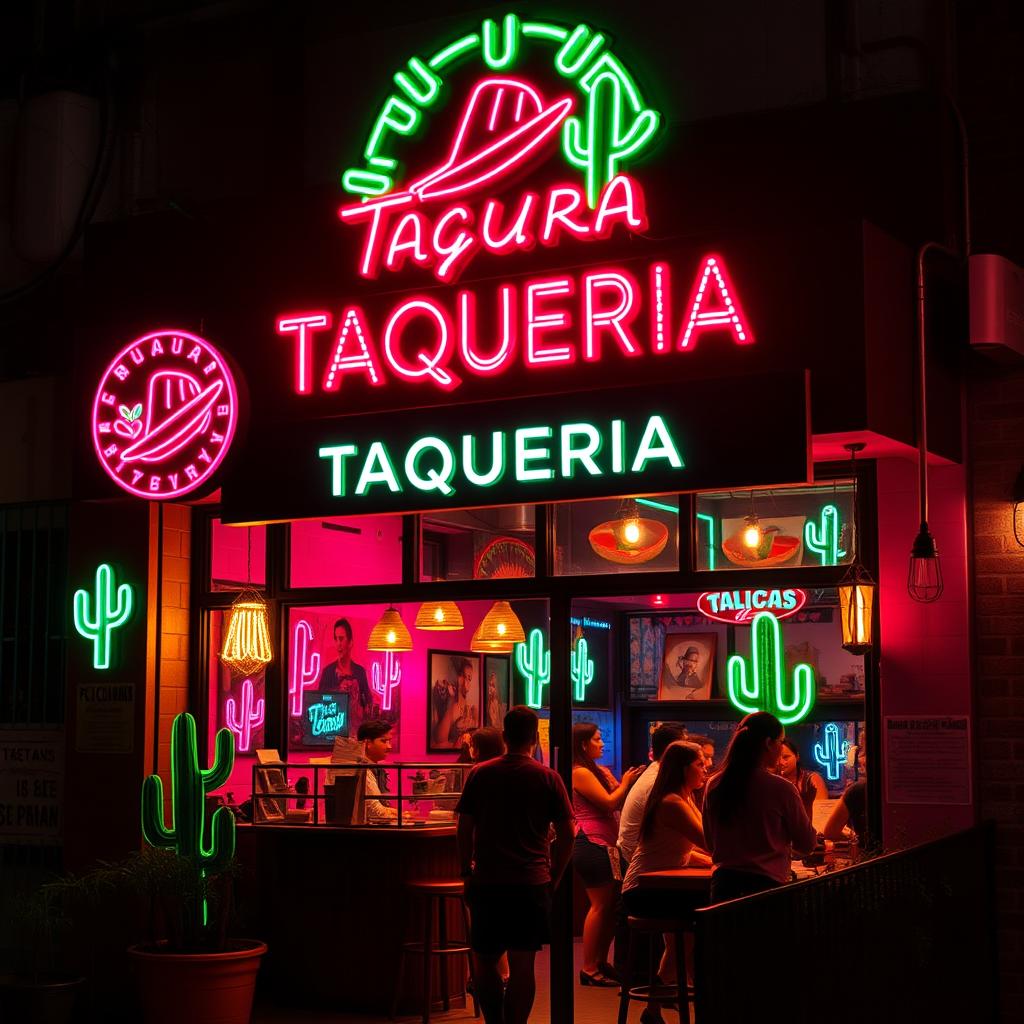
856, 601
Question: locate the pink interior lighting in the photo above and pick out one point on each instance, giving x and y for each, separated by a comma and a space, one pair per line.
386, 677
305, 665
244, 716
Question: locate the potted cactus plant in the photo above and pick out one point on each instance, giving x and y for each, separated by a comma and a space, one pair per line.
195, 973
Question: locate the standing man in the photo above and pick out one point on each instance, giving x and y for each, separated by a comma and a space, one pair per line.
343, 675
507, 808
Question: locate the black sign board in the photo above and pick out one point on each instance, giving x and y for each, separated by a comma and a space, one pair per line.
324, 716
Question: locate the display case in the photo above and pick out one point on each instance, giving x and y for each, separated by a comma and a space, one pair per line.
348, 795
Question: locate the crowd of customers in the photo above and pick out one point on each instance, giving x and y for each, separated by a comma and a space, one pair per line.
519, 830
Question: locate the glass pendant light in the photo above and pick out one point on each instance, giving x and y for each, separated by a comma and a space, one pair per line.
439, 616
390, 633
924, 578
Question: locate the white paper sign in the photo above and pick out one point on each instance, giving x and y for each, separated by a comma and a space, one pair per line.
928, 759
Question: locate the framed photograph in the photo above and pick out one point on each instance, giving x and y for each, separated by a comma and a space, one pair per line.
497, 673
688, 667
455, 706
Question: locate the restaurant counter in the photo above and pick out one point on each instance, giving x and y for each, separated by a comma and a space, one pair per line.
334, 912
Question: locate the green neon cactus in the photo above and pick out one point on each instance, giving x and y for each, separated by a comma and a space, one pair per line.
581, 669
823, 539
764, 687
189, 786
599, 143
534, 664
107, 615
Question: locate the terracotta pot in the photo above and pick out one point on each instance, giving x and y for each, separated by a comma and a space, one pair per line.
198, 988
39, 1002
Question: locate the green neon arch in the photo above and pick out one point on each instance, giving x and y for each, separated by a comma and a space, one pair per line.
615, 127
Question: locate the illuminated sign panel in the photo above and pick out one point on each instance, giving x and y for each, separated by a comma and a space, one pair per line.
586, 445
734, 606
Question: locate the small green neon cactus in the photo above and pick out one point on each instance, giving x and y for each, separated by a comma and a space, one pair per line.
581, 669
189, 786
823, 539
534, 664
107, 613
763, 687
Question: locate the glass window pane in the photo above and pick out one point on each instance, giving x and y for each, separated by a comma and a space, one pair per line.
619, 535
342, 551
478, 544
769, 529
238, 556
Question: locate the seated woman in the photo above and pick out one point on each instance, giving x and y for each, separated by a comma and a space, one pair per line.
753, 819
596, 799
810, 785
670, 830
852, 809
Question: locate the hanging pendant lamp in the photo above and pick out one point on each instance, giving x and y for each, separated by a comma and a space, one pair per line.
439, 616
501, 625
246, 649
478, 646
390, 633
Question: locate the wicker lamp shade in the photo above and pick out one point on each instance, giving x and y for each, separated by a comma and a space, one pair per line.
390, 633
439, 615
246, 649
478, 646
501, 625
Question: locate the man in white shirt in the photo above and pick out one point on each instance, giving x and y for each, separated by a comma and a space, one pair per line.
375, 735
632, 813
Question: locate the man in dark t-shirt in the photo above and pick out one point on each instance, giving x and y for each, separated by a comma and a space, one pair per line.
345, 676
506, 811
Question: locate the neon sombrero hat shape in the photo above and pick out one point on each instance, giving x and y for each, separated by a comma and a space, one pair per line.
177, 410
504, 123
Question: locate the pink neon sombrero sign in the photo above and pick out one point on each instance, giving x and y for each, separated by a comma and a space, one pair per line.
164, 415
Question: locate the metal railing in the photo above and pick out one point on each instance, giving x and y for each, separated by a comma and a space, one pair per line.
908, 935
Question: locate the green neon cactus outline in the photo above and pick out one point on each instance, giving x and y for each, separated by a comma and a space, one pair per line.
763, 688
823, 537
581, 669
189, 786
615, 126
109, 614
534, 664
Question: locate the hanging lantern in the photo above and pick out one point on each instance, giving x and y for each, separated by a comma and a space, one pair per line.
856, 600
246, 649
480, 646
924, 577
390, 633
439, 615
501, 625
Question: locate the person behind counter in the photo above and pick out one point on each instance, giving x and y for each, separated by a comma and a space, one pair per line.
669, 832
506, 812
810, 785
375, 735
752, 817
596, 796
852, 807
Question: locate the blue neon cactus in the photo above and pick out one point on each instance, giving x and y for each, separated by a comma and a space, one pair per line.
762, 687
581, 669
534, 664
823, 538
831, 754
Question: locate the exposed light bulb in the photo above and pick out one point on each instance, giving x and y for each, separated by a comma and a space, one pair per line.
631, 531
439, 614
502, 628
392, 636
752, 533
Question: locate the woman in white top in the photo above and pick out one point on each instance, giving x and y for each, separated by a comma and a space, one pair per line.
670, 830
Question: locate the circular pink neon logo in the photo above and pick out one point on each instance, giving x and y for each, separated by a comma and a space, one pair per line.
164, 414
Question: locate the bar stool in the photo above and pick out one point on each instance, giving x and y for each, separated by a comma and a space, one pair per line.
654, 994
434, 892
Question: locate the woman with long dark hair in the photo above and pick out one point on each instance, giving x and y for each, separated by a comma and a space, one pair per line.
596, 799
670, 829
753, 819
810, 785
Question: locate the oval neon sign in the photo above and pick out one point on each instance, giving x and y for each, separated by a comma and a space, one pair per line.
742, 605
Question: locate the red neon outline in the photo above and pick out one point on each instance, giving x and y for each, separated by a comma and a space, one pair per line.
487, 366
303, 324
449, 268
399, 250
554, 213
633, 207
105, 401
746, 615
519, 236
538, 322
368, 266
728, 317
436, 369
661, 306
427, 187
352, 318
598, 320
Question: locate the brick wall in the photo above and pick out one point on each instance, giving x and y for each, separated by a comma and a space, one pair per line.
173, 644
996, 417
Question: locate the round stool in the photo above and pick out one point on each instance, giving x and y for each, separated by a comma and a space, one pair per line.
655, 994
434, 892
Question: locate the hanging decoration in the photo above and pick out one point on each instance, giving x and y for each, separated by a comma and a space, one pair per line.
246, 649
500, 625
761, 685
629, 539
390, 633
857, 589
439, 616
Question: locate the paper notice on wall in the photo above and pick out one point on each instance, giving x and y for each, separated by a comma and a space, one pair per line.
31, 785
928, 759
105, 719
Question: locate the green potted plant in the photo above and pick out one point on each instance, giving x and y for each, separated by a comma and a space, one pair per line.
194, 973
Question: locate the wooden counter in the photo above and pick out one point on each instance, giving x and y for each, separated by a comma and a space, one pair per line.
332, 907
